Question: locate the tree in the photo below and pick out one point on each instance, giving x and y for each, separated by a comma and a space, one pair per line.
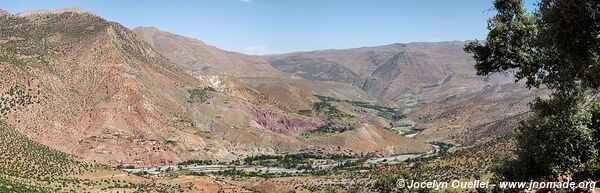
594, 124
555, 139
558, 46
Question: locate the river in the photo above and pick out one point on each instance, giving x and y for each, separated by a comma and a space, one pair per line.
279, 170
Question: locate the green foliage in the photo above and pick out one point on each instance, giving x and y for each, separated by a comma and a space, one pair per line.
287, 161
327, 129
8, 185
391, 115
386, 183
556, 138
200, 94
382, 111
170, 142
329, 111
125, 167
21, 154
242, 173
291, 160
24, 160
594, 125
557, 46
352, 164
306, 112
196, 162
26, 165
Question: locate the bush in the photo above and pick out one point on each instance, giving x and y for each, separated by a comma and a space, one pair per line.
200, 94
125, 167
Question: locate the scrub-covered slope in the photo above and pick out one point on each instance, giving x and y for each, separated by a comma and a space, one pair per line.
95, 90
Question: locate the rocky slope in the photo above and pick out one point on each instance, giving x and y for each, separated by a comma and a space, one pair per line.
435, 83
30, 13
204, 59
95, 85
28, 166
74, 82
93, 88
387, 72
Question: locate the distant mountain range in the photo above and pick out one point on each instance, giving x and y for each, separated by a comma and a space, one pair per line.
386, 72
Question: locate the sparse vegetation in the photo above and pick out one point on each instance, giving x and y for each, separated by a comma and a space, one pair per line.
410, 132
14, 98
170, 142
291, 160
329, 111
306, 112
28, 44
326, 129
389, 113
125, 167
200, 94
24, 160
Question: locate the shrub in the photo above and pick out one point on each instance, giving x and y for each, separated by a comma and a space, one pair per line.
200, 94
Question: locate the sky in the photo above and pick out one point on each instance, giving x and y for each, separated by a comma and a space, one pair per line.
279, 26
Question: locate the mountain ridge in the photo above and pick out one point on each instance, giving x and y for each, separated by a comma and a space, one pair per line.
382, 71
203, 58
112, 98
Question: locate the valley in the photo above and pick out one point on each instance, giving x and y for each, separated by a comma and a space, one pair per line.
108, 108
265, 170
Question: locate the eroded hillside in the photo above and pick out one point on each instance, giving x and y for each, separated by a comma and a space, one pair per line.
385, 72
203, 59
98, 91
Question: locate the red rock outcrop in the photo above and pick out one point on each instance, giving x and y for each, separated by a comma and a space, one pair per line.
283, 124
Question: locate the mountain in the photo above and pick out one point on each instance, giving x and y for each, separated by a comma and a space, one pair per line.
110, 97
387, 72
434, 82
289, 94
52, 11
4, 13
81, 91
93, 86
204, 59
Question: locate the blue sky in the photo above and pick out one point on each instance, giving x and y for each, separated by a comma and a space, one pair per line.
278, 26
